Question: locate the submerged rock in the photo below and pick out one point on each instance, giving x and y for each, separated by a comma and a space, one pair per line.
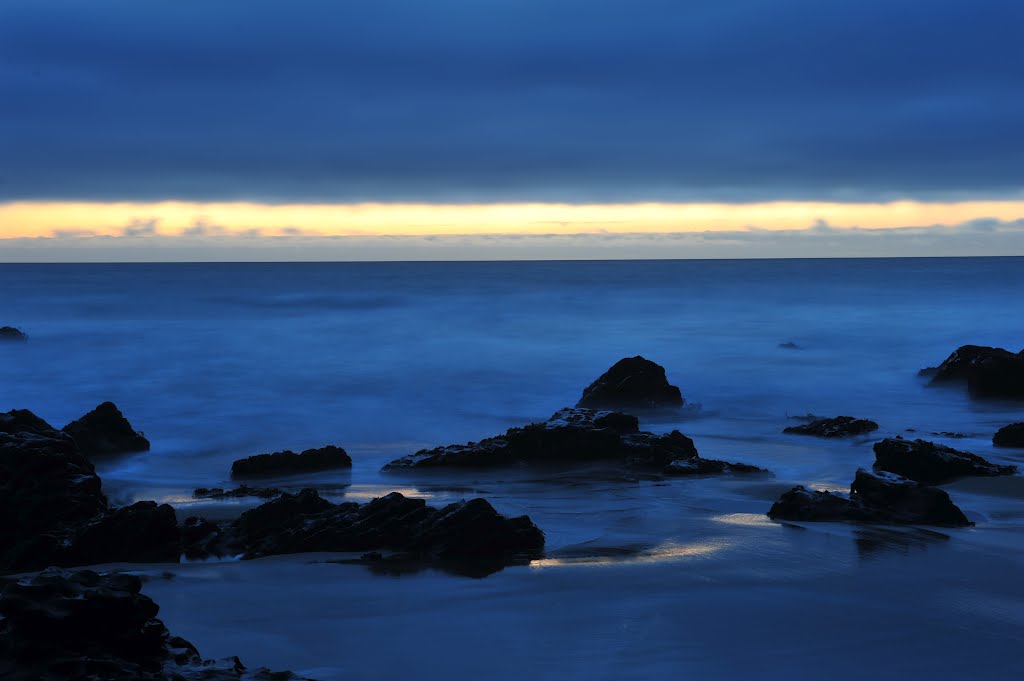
873, 497
53, 511
932, 463
1010, 436
840, 426
632, 383
303, 522
987, 372
81, 626
288, 462
237, 493
105, 431
9, 333
577, 435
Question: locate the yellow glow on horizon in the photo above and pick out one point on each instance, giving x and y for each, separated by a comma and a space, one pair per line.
43, 219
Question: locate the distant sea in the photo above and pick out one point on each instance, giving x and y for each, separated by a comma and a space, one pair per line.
218, 361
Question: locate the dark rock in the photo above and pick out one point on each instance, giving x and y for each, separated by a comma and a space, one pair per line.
840, 426
53, 511
790, 345
873, 497
9, 333
199, 537
105, 431
1010, 436
303, 522
577, 435
237, 493
932, 463
288, 462
64, 626
632, 383
987, 372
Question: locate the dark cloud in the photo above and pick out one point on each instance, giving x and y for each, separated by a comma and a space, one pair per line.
467, 100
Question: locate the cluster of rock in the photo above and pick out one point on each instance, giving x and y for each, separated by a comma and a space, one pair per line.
840, 426
10, 333
578, 435
987, 372
288, 462
304, 522
236, 493
899, 491
80, 626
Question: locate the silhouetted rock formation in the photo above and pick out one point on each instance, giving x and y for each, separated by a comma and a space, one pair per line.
9, 333
632, 383
237, 493
840, 426
1010, 436
987, 372
581, 435
105, 431
932, 463
873, 497
790, 345
288, 462
52, 509
83, 626
298, 523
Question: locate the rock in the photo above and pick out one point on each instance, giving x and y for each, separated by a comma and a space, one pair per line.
70, 626
577, 435
303, 522
1010, 436
9, 333
840, 426
790, 345
237, 493
873, 497
987, 372
288, 462
932, 463
633, 383
105, 431
53, 511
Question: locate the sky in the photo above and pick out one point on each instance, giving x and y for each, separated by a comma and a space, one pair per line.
399, 129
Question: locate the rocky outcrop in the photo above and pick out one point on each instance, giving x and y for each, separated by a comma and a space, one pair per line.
633, 383
290, 463
840, 426
1010, 436
987, 372
577, 435
932, 463
237, 493
105, 431
298, 523
83, 626
9, 333
873, 498
53, 511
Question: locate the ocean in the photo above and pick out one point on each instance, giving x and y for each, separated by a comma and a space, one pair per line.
644, 578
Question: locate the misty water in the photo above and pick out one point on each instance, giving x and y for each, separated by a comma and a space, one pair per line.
644, 578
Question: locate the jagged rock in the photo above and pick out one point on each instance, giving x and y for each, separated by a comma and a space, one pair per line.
581, 435
987, 372
873, 497
288, 462
632, 383
298, 523
83, 626
237, 493
9, 333
1010, 436
53, 511
932, 463
840, 426
105, 431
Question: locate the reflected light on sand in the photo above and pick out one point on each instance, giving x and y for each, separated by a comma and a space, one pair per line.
745, 519
666, 552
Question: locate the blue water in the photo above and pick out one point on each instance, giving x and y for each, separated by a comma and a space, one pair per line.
218, 361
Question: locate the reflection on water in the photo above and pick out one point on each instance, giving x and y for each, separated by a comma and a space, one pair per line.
666, 552
872, 542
